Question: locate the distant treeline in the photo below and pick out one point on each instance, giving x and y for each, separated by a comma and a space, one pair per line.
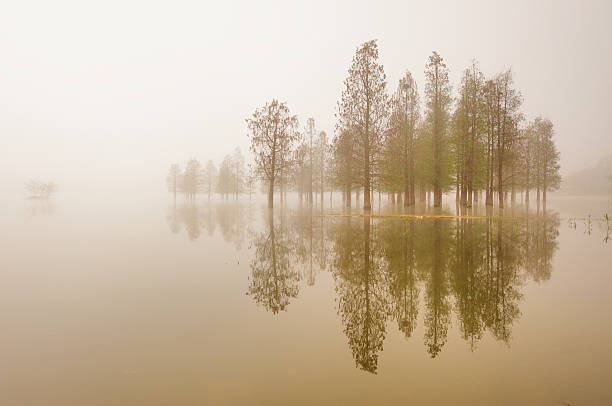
475, 142
40, 190
230, 179
591, 181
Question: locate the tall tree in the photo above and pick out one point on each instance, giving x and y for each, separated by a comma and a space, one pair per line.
225, 179
345, 171
238, 172
210, 177
401, 137
547, 158
322, 149
300, 156
468, 132
363, 108
250, 182
310, 133
273, 132
191, 179
438, 94
503, 117
527, 157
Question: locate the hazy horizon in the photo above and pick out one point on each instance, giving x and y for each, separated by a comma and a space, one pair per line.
426, 252
126, 88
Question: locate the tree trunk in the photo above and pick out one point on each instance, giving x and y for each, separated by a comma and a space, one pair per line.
367, 205
406, 176
271, 194
499, 182
470, 194
348, 196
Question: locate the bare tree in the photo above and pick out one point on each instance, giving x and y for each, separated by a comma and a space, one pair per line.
273, 132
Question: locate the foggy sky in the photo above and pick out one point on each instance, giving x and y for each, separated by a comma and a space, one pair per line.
101, 91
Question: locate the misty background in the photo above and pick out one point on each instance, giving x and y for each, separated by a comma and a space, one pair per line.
105, 96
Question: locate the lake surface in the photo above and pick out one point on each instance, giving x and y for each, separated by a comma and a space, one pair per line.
115, 301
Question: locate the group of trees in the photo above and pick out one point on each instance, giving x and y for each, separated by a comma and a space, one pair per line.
475, 142
286, 157
400, 271
40, 190
230, 179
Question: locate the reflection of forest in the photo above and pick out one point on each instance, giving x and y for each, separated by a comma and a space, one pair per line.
40, 207
390, 270
231, 218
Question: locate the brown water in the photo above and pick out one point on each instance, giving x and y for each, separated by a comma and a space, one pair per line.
123, 302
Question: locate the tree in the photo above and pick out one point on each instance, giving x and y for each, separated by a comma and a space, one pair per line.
300, 156
191, 179
400, 142
238, 172
322, 149
210, 177
250, 182
528, 158
438, 94
310, 131
273, 132
346, 173
547, 158
502, 103
363, 107
468, 133
173, 180
40, 190
225, 180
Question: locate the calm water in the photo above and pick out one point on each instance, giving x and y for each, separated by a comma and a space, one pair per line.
123, 302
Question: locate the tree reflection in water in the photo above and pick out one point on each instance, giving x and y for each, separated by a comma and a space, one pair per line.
388, 271
231, 218
273, 281
362, 288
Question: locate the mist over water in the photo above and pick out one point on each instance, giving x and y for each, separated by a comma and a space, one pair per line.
141, 301
318, 203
